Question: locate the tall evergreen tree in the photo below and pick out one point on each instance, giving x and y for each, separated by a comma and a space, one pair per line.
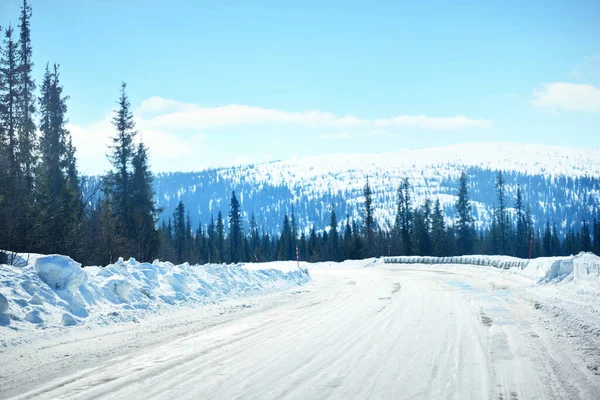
334, 243
254, 240
26, 101
55, 200
464, 219
145, 237
438, 231
179, 233
235, 230
585, 239
221, 255
368, 220
501, 215
123, 151
287, 249
547, 240
10, 211
521, 234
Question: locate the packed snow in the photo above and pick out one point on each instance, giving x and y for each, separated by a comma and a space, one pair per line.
50, 291
459, 327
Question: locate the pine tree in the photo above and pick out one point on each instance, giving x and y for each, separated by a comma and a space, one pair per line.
235, 230
556, 250
54, 198
26, 102
10, 205
221, 255
521, 234
570, 242
405, 212
286, 241
438, 231
9, 97
179, 233
585, 239
122, 155
464, 220
213, 256
547, 240
254, 240
368, 220
109, 243
501, 216
334, 243
145, 238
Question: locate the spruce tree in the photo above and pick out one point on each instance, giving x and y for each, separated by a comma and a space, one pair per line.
464, 219
585, 241
179, 233
221, 255
145, 237
121, 158
26, 102
438, 231
334, 244
501, 216
556, 247
547, 240
235, 230
254, 240
10, 211
521, 234
368, 220
55, 199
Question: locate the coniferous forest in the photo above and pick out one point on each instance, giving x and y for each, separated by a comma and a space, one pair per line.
46, 206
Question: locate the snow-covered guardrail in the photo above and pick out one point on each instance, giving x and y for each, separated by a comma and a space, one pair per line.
501, 263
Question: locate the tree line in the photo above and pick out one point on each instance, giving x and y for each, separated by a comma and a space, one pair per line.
418, 230
44, 209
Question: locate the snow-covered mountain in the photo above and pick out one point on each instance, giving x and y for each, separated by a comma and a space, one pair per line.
560, 184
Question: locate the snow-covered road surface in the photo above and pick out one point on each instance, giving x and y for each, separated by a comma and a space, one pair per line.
383, 332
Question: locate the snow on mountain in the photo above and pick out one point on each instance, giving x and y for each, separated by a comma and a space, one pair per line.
331, 171
560, 184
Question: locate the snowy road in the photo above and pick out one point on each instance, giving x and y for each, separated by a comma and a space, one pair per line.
385, 332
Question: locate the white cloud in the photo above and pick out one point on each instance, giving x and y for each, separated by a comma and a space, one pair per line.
567, 96
172, 114
175, 132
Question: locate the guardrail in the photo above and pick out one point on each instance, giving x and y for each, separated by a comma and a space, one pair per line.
469, 260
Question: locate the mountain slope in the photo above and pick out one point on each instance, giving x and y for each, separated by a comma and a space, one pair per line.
560, 184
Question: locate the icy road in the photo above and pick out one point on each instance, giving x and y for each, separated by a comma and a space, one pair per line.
383, 332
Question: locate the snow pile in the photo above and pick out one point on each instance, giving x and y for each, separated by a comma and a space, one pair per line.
54, 290
580, 270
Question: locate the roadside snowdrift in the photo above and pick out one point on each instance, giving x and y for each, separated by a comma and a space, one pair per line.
580, 270
54, 291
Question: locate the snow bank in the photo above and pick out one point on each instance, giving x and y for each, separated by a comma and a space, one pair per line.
53, 290
580, 270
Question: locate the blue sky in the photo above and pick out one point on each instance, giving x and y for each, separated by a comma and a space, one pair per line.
215, 83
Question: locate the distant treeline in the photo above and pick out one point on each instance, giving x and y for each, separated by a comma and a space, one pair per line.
43, 208
418, 230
